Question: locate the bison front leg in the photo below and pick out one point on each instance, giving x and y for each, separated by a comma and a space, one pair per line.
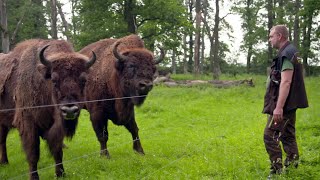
100, 126
31, 146
55, 143
133, 129
3, 147
56, 150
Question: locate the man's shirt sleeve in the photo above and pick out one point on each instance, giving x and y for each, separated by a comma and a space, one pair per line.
286, 65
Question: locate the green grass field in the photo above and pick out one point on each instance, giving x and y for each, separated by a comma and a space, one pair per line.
196, 132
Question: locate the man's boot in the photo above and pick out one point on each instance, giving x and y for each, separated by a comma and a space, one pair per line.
292, 161
276, 168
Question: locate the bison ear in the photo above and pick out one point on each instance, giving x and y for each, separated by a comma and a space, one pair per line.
44, 71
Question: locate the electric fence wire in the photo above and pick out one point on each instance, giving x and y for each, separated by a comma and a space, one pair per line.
79, 102
98, 152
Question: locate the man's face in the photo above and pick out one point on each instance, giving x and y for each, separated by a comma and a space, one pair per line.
274, 39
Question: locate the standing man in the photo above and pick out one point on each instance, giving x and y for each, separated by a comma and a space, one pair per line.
285, 94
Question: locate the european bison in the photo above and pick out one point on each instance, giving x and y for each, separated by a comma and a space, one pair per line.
8, 74
52, 75
124, 74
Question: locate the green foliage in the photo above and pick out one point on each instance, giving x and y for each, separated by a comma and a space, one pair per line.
99, 20
161, 20
187, 133
33, 19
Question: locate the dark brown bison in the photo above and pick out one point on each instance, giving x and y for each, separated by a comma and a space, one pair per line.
8, 69
123, 73
49, 74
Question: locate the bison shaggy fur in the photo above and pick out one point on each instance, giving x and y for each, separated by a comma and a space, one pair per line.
122, 79
45, 85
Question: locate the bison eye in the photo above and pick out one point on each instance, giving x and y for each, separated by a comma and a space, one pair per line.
55, 79
132, 68
83, 79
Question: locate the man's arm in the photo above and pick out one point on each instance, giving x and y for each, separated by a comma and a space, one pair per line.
286, 79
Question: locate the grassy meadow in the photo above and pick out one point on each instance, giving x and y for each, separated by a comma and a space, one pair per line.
196, 132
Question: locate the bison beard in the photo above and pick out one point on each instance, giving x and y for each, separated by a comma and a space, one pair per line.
38, 81
124, 69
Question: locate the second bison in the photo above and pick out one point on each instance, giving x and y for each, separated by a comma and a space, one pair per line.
121, 78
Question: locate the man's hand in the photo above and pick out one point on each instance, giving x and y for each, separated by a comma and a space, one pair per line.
277, 115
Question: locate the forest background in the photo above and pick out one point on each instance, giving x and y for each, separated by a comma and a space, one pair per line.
187, 29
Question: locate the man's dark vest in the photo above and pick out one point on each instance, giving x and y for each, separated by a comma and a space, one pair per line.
297, 97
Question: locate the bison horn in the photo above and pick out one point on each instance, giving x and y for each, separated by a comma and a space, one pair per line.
119, 56
92, 60
43, 60
159, 59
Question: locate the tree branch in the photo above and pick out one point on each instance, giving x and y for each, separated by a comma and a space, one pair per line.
14, 34
224, 16
147, 19
205, 23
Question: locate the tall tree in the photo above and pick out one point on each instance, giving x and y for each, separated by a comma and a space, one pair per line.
197, 39
129, 16
253, 27
269, 8
54, 29
65, 23
191, 40
216, 63
184, 40
115, 18
26, 20
4, 27
208, 31
311, 8
296, 33
34, 22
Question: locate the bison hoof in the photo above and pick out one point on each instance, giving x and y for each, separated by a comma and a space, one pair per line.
139, 151
60, 173
64, 146
105, 153
34, 176
4, 162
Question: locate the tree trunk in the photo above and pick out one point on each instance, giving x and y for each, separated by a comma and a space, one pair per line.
129, 16
5, 44
249, 33
296, 24
190, 61
74, 4
216, 60
203, 47
185, 55
270, 24
249, 56
173, 61
211, 54
211, 37
64, 21
280, 15
205, 6
307, 40
197, 40
54, 29
184, 46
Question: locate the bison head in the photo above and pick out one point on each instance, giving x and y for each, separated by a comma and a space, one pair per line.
136, 68
68, 73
